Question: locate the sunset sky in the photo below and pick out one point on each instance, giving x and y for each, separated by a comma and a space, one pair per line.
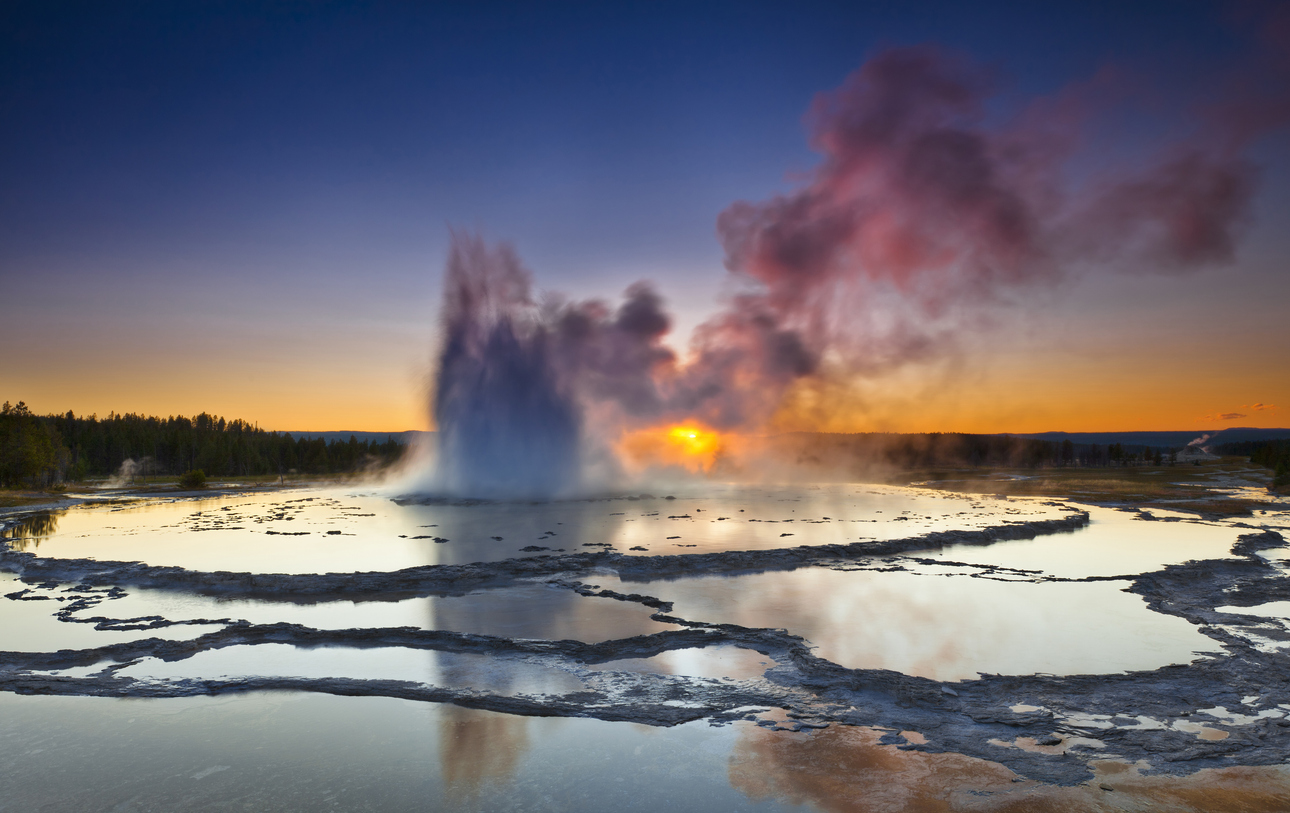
244, 208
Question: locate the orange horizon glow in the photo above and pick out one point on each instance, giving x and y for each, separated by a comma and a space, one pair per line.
1032, 388
975, 411
688, 445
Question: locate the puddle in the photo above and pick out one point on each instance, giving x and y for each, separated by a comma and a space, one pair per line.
445, 669
943, 628
274, 750
762, 518
1271, 609
536, 611
1114, 543
31, 626
1202, 731
709, 662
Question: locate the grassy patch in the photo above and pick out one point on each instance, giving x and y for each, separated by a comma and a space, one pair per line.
17, 498
161, 482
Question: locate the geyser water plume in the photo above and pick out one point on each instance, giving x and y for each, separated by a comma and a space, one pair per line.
923, 215
517, 381
507, 425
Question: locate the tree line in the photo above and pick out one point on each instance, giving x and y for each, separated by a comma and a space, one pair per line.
1274, 454
38, 450
961, 450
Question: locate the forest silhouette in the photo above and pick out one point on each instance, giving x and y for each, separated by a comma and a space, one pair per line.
39, 450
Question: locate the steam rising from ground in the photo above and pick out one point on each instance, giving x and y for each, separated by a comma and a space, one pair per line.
130, 470
923, 209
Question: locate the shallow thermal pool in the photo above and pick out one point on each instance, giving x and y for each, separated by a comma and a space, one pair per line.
291, 752
524, 611
948, 622
279, 751
580, 643
322, 531
445, 669
942, 624
1115, 543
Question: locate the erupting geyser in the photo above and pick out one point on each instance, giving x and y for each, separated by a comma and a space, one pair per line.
507, 426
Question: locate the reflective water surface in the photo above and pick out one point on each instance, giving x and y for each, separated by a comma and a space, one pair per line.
1012, 608
322, 531
943, 626
1115, 543
443, 669
526, 611
271, 752
32, 626
291, 752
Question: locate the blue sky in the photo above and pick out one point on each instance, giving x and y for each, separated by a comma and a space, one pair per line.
283, 174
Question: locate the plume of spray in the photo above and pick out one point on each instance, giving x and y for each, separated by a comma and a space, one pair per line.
507, 422
922, 210
518, 379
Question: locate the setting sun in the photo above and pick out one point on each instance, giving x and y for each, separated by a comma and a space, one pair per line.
688, 445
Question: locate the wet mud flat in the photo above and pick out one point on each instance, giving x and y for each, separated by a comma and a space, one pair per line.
1220, 708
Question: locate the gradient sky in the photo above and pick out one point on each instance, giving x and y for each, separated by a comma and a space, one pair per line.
244, 208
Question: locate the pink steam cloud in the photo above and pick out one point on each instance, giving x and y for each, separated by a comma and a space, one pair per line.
923, 209
918, 191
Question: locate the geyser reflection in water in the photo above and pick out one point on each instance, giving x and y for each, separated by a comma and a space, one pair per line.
357, 753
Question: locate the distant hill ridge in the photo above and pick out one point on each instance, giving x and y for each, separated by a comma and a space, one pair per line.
1163, 440
406, 436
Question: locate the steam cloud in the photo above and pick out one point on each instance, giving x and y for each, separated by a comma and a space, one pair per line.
507, 424
516, 379
919, 198
920, 207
